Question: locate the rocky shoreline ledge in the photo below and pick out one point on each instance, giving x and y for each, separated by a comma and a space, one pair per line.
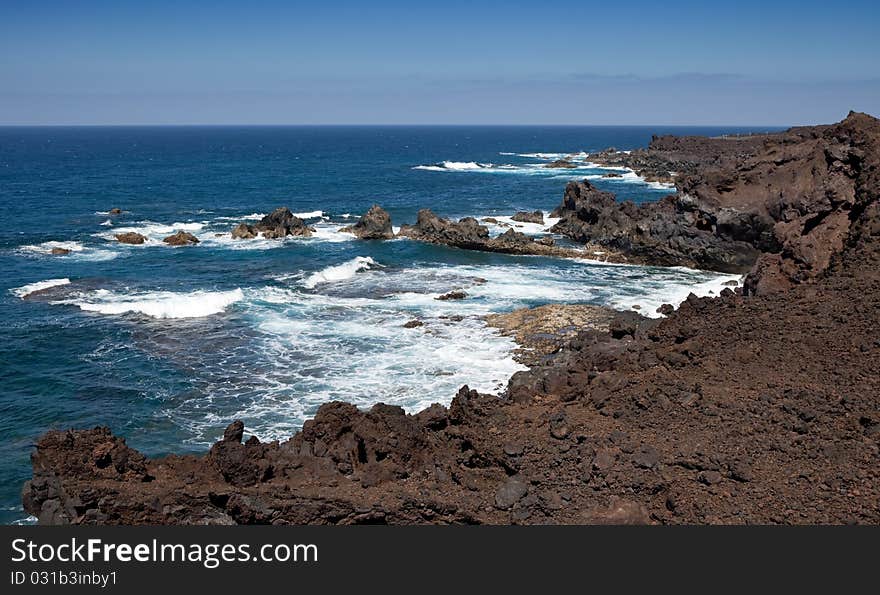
758, 406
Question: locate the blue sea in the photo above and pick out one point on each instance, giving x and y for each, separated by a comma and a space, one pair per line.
166, 345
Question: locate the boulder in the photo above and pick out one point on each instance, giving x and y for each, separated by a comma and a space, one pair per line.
281, 223
60, 252
130, 237
465, 233
115, 211
452, 295
181, 238
375, 224
243, 231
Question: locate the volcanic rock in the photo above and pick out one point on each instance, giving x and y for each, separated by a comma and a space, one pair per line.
243, 231
561, 164
281, 223
130, 237
452, 295
181, 238
533, 217
739, 409
375, 224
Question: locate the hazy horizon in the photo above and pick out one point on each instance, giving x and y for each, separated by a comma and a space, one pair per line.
681, 63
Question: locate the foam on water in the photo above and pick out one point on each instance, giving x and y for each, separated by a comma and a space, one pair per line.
78, 251
345, 340
339, 272
506, 222
583, 168
30, 288
160, 304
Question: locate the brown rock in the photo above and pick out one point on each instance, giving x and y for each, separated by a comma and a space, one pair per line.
181, 238
130, 237
375, 224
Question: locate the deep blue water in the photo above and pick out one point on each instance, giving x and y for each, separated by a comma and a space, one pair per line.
168, 345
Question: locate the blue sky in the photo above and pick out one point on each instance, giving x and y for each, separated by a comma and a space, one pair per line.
439, 62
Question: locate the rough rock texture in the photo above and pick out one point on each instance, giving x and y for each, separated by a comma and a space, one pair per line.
737, 409
130, 237
280, 223
672, 231
243, 231
780, 205
181, 238
544, 330
375, 224
467, 233
525, 217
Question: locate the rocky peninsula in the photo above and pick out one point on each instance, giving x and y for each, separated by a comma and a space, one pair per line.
757, 406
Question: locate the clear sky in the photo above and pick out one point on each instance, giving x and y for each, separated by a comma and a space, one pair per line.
439, 62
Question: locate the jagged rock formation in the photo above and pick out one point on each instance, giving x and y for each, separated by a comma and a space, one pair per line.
278, 224
467, 233
375, 224
778, 205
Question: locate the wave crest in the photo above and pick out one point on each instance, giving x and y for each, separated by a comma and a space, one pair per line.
339, 272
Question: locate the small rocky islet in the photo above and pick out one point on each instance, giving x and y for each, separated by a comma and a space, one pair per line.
759, 405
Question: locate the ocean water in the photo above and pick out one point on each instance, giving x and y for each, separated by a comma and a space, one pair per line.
168, 345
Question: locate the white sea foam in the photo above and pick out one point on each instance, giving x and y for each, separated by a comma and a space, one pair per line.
309, 214
47, 247
301, 345
506, 222
26, 290
107, 223
77, 250
160, 304
339, 272
153, 231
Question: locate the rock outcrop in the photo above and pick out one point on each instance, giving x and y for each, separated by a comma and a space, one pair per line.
130, 237
778, 205
375, 224
243, 231
674, 231
467, 233
181, 238
278, 224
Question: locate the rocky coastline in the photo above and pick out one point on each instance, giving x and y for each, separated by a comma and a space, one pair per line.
761, 405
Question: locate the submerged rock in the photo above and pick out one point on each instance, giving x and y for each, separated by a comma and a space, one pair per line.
533, 217
60, 251
375, 224
561, 164
452, 295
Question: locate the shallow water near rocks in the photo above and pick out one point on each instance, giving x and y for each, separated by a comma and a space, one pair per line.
168, 345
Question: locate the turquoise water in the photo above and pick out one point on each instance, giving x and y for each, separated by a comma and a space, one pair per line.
168, 345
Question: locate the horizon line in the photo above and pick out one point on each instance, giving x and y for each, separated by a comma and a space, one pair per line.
389, 125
